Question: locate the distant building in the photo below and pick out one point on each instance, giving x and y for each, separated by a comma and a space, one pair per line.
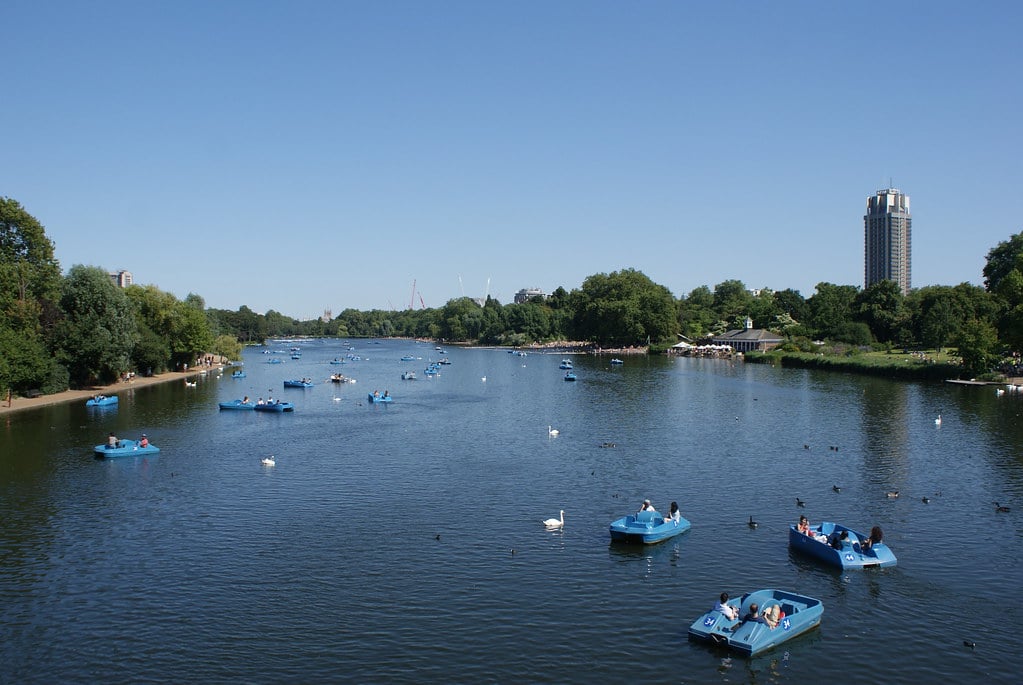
526, 294
748, 339
122, 278
887, 244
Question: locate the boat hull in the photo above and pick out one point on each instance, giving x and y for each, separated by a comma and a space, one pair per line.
275, 408
237, 404
125, 448
373, 399
646, 527
852, 555
802, 613
298, 384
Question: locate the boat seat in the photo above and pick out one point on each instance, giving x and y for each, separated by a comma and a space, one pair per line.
788, 609
646, 516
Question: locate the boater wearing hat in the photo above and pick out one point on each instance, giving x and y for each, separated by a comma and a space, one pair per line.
144, 442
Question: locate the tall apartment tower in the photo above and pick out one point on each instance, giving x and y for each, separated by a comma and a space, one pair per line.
887, 244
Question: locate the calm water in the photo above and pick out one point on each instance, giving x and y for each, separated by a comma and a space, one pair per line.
201, 565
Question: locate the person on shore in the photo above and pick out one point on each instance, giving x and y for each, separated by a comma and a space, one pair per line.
674, 515
112, 442
728, 611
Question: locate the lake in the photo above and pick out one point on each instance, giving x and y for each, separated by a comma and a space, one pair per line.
402, 543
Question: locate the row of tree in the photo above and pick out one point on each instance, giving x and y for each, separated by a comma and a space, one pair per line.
80, 328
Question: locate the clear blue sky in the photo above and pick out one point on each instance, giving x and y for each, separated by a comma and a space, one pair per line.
299, 156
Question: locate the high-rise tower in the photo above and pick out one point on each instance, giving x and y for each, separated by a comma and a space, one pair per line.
887, 245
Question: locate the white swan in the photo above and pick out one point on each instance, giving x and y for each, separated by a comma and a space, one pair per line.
189, 385
555, 523
937, 421
268, 461
552, 431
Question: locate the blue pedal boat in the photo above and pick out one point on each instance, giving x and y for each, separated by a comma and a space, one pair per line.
376, 399
276, 406
238, 374
852, 554
569, 376
647, 527
237, 404
295, 383
101, 401
800, 614
125, 448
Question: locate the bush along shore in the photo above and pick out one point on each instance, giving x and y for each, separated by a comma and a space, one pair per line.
893, 366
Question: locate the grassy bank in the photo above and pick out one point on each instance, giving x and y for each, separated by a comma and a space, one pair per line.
931, 366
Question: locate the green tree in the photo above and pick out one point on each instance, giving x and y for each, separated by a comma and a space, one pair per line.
977, 343
29, 287
830, 308
880, 307
1003, 274
623, 308
732, 299
98, 331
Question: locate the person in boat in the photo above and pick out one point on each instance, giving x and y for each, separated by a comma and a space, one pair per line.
260, 401
753, 616
245, 400
772, 616
729, 612
674, 515
387, 393
804, 525
876, 536
376, 393
144, 442
838, 540
112, 442
647, 506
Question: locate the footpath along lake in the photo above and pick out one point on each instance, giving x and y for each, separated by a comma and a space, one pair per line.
402, 542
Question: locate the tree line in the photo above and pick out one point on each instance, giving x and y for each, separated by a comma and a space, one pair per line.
78, 329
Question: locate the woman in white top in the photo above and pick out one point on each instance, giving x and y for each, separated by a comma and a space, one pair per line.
674, 515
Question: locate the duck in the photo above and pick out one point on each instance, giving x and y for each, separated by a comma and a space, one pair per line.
752, 523
800, 503
892, 495
999, 507
268, 461
925, 499
836, 488
552, 431
555, 523
937, 421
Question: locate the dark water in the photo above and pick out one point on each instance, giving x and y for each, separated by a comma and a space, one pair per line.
202, 565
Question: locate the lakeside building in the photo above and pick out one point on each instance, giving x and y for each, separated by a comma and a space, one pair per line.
748, 338
887, 244
122, 278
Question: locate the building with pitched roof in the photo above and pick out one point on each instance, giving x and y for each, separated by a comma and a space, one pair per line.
748, 339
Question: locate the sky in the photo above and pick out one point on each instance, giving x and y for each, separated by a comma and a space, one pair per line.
322, 154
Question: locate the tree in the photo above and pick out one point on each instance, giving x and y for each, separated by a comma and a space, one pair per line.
623, 308
98, 331
732, 299
880, 306
1002, 260
831, 308
977, 343
29, 287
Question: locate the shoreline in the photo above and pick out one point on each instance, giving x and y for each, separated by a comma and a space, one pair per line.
23, 403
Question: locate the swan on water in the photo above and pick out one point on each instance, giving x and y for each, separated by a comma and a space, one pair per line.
937, 421
555, 523
268, 461
552, 431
